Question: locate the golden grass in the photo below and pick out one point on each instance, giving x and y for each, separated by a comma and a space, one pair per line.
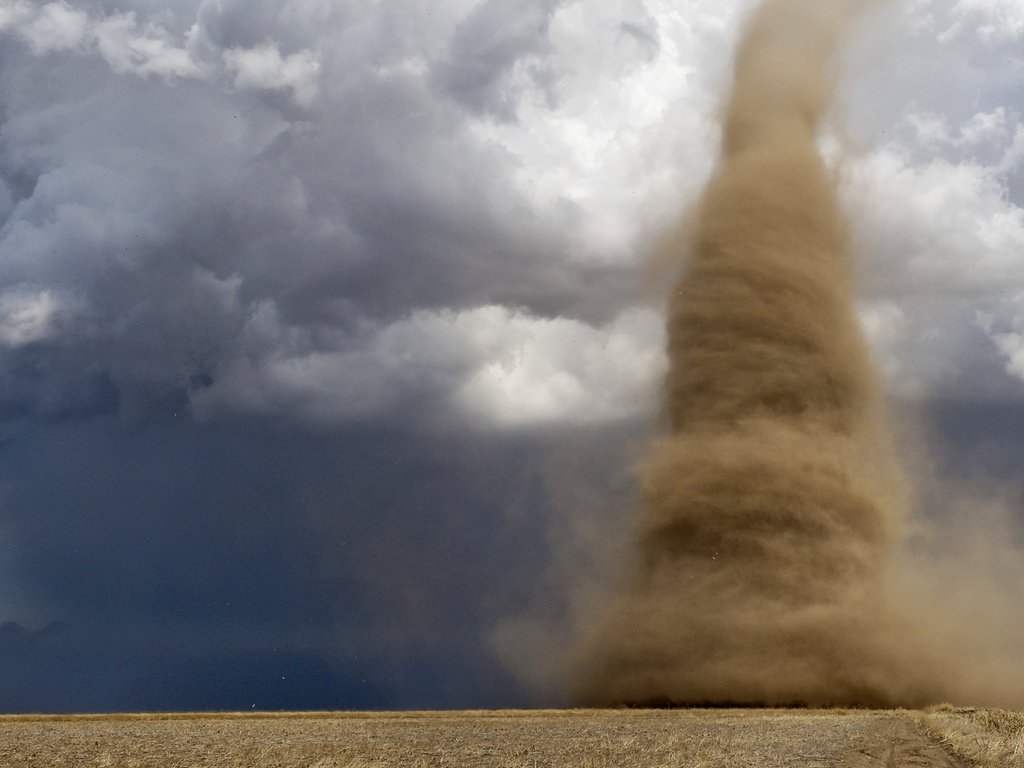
304, 714
988, 738
498, 739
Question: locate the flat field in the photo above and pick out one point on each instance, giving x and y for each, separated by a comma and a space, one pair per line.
624, 738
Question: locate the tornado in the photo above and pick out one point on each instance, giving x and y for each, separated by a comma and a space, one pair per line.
773, 506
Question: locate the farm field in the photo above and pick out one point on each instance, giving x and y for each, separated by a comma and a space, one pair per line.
503, 739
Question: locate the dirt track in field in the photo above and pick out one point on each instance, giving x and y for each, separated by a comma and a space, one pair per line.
587, 738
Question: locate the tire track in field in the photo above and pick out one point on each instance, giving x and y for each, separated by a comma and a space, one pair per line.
902, 745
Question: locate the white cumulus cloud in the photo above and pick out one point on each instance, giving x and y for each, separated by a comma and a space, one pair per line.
265, 68
497, 367
27, 317
143, 47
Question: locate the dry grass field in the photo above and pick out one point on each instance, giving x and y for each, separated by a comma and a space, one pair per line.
986, 738
541, 739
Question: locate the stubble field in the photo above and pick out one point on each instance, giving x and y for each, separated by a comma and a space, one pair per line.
502, 739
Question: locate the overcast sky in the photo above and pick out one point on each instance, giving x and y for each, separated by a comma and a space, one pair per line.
328, 331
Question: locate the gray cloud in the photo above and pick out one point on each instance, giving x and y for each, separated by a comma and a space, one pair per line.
494, 47
167, 220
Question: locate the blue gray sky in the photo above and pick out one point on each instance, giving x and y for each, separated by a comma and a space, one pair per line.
329, 331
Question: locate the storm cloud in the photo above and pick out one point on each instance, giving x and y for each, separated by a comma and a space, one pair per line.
303, 306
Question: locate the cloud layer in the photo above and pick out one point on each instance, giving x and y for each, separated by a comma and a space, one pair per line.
320, 274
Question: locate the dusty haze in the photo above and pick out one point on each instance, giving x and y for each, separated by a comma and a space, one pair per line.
772, 565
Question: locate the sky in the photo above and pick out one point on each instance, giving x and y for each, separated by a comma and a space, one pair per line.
330, 330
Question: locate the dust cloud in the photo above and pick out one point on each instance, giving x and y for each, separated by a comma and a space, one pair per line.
772, 565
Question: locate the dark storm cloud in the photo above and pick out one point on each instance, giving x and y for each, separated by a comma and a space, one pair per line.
202, 204
61, 669
161, 219
299, 306
382, 558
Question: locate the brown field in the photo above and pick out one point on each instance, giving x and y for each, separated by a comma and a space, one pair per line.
693, 738
986, 738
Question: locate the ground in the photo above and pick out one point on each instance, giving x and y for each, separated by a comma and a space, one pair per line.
502, 739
